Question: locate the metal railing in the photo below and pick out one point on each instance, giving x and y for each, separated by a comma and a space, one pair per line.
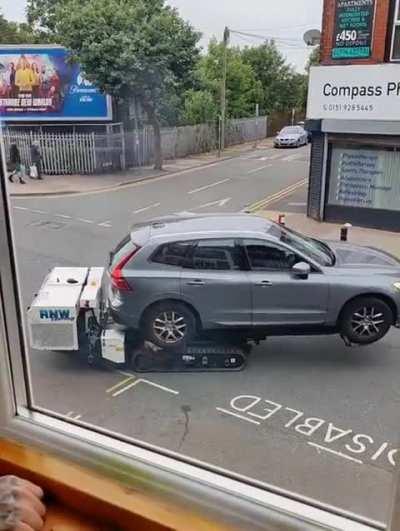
80, 152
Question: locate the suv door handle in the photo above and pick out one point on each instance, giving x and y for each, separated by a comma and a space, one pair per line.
264, 283
196, 282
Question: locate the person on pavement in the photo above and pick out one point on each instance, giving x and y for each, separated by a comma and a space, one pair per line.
15, 162
36, 158
21, 507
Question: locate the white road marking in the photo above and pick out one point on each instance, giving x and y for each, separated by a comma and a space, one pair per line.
106, 224
84, 220
220, 203
297, 204
339, 454
64, 216
20, 208
140, 210
141, 380
73, 416
291, 158
236, 415
37, 211
259, 169
196, 190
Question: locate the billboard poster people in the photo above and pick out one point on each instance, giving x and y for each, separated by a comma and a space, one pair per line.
41, 84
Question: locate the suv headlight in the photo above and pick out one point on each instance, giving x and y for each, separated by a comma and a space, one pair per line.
396, 286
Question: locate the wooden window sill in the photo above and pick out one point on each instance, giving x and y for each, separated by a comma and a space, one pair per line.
79, 499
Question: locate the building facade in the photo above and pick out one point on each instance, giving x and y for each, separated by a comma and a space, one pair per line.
354, 114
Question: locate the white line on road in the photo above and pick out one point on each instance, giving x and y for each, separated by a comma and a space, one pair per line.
259, 169
196, 190
85, 220
291, 158
297, 204
64, 216
37, 211
220, 203
20, 208
129, 386
106, 224
339, 454
140, 210
236, 415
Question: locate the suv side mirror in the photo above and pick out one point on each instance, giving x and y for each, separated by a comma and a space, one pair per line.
301, 270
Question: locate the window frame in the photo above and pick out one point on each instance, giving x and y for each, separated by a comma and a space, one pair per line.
395, 25
224, 494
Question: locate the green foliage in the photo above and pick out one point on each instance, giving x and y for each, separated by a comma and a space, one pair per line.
242, 89
314, 59
131, 49
15, 33
280, 83
200, 107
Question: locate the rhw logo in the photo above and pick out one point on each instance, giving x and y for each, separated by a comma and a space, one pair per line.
56, 315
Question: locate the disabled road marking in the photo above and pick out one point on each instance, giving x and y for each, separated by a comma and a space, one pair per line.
339, 454
323, 435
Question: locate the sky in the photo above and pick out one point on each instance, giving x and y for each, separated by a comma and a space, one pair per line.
283, 19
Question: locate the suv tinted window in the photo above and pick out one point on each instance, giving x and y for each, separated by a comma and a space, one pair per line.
221, 255
266, 256
171, 254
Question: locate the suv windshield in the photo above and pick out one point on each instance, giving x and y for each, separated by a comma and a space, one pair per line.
318, 251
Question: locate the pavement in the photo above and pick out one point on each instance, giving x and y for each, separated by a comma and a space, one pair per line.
388, 241
308, 415
74, 184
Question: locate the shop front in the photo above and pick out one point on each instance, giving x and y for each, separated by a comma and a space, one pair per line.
354, 113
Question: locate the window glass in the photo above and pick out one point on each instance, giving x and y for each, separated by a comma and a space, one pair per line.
267, 256
172, 254
221, 255
132, 337
396, 43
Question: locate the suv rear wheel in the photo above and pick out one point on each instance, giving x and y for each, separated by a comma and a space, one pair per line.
169, 325
366, 320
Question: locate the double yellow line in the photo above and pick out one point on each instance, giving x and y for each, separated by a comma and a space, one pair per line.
276, 197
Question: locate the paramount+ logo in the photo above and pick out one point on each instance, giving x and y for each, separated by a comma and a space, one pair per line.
55, 315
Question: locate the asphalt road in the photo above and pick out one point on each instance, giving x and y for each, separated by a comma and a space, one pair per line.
307, 415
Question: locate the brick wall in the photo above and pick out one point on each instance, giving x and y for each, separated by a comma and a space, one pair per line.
380, 37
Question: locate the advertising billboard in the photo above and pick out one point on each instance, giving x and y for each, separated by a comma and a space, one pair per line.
40, 84
354, 23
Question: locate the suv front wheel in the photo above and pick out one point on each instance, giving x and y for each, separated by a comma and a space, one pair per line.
366, 320
169, 325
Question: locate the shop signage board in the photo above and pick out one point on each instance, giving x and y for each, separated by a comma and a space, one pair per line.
354, 92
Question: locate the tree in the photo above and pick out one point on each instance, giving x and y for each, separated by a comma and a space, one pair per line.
200, 107
242, 89
314, 58
278, 79
137, 49
14, 33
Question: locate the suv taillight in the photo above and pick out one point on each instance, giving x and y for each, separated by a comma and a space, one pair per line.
118, 280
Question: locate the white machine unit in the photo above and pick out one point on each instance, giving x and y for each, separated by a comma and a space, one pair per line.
53, 315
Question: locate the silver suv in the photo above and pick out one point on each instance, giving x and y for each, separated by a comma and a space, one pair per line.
177, 278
